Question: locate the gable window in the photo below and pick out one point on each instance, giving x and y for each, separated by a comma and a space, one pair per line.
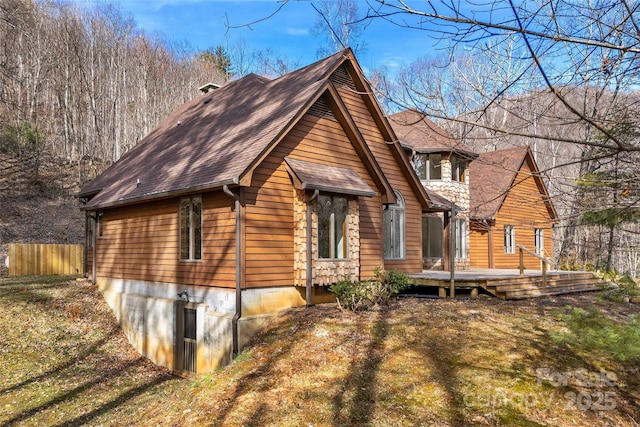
332, 227
509, 239
432, 231
191, 228
428, 166
461, 238
394, 229
458, 168
539, 240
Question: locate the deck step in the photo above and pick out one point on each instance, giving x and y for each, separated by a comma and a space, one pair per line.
548, 292
540, 291
556, 281
513, 286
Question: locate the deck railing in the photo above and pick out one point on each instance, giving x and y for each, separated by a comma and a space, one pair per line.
544, 262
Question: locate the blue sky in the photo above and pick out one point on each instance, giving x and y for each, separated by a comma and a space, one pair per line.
202, 24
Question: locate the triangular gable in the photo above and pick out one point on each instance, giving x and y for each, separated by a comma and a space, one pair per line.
493, 174
542, 188
351, 130
364, 88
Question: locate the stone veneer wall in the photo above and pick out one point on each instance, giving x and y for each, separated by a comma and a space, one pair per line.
457, 192
324, 272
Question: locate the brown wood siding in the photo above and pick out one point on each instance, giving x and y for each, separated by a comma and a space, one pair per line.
140, 242
524, 209
269, 201
413, 212
479, 248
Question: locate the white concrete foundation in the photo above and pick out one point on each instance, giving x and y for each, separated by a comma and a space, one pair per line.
149, 314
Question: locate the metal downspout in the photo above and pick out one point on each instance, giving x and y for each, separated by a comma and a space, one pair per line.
94, 246
310, 246
238, 313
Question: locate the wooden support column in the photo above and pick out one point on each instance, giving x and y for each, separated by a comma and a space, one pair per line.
452, 252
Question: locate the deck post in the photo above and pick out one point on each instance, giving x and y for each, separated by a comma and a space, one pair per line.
544, 274
452, 252
521, 262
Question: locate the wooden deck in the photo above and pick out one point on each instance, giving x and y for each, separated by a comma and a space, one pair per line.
506, 284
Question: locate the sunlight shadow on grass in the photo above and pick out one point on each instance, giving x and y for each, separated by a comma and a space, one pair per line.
75, 392
264, 371
115, 403
362, 379
91, 350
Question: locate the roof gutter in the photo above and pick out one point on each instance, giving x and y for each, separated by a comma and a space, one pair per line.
160, 194
239, 268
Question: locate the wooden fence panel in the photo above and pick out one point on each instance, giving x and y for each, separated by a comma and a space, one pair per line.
45, 260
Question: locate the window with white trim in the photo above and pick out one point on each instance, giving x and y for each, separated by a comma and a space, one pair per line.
539, 240
458, 168
461, 238
191, 228
332, 227
509, 239
393, 232
428, 166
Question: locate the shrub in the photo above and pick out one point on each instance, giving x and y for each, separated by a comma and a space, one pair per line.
363, 295
625, 287
591, 330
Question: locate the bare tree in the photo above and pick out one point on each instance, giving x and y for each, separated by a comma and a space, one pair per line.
339, 25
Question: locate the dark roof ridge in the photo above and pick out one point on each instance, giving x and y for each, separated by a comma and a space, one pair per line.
416, 131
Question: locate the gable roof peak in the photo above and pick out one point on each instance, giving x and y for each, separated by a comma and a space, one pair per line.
418, 133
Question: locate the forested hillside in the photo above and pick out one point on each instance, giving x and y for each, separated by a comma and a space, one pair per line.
78, 88
86, 84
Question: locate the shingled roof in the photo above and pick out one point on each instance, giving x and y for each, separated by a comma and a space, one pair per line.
416, 132
493, 174
218, 139
211, 140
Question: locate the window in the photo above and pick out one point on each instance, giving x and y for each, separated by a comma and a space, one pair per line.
432, 231
539, 240
428, 166
509, 239
458, 168
461, 238
191, 228
332, 227
394, 229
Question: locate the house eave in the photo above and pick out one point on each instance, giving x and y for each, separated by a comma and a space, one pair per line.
162, 195
431, 150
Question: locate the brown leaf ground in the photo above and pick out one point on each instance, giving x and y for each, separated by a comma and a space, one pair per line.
63, 361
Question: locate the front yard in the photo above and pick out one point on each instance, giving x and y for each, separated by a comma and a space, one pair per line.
64, 361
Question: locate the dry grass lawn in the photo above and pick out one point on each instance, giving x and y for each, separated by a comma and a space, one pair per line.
63, 361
